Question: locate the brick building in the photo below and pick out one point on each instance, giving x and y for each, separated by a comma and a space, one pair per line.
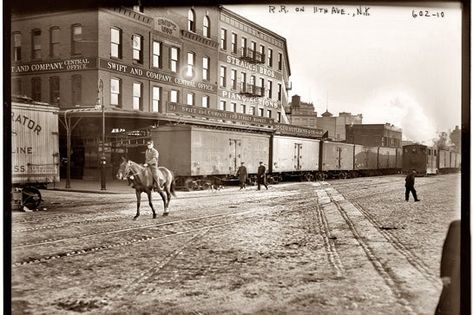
383, 135
301, 113
336, 125
148, 67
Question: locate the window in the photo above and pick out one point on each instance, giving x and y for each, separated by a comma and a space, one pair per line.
243, 78
36, 88
205, 101
280, 61
190, 64
261, 80
191, 20
17, 87
137, 100
243, 43
36, 44
279, 116
270, 57
253, 47
233, 79
206, 27
223, 76
270, 89
76, 89
174, 59
54, 90
252, 80
157, 54
137, 48
261, 50
279, 91
116, 43
234, 43
54, 42
269, 113
174, 96
156, 102
222, 105
115, 89
243, 108
261, 112
16, 46
76, 37
253, 110
190, 98
205, 69
223, 39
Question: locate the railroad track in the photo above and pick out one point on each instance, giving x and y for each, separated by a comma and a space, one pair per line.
159, 231
386, 274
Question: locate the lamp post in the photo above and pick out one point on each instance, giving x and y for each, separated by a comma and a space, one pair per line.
103, 159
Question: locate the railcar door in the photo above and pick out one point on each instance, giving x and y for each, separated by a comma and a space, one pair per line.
297, 156
234, 155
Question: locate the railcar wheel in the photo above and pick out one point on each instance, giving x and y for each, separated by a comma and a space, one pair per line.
191, 184
30, 197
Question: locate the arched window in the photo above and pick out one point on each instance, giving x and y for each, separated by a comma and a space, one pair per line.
206, 24
191, 20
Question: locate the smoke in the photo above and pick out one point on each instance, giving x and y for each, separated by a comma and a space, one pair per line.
404, 112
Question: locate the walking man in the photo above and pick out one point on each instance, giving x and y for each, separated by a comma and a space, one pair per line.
261, 176
151, 160
242, 174
410, 178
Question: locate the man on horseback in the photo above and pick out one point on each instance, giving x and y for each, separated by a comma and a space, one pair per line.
151, 160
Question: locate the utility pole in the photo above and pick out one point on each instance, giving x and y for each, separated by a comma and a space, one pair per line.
103, 159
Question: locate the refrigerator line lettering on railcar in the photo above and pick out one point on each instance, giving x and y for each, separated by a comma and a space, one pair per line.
26, 121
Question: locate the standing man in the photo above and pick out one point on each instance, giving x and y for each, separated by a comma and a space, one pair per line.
242, 173
261, 177
410, 179
151, 160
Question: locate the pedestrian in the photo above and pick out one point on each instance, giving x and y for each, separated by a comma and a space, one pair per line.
449, 301
151, 160
242, 174
410, 178
261, 176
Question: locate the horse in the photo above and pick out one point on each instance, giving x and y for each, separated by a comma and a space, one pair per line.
142, 180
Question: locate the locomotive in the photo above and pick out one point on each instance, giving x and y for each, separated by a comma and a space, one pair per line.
429, 160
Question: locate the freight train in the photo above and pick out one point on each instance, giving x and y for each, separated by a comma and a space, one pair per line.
201, 155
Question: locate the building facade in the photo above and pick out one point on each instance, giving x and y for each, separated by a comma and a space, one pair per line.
300, 113
382, 135
335, 126
147, 67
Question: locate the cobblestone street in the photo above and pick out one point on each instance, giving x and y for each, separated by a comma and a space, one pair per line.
349, 246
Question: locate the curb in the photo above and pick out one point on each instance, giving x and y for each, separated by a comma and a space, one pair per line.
104, 192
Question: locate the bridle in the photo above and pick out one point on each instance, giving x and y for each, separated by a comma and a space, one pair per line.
129, 172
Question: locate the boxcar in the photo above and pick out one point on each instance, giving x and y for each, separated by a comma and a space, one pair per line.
365, 160
194, 152
293, 156
444, 161
387, 160
35, 151
432, 161
336, 158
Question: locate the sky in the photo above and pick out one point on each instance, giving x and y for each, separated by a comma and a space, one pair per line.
393, 65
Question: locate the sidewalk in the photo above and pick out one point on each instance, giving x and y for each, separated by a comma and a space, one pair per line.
93, 186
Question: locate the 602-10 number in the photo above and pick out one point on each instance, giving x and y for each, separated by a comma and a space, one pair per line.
427, 13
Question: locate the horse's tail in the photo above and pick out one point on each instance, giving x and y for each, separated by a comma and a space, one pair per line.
173, 187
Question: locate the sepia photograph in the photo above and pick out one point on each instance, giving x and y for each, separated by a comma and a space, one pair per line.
236, 158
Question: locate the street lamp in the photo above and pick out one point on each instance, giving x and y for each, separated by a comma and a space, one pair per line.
103, 159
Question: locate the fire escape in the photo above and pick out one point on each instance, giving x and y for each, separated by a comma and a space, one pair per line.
251, 56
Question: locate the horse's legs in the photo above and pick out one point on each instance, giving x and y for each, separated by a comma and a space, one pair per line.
138, 201
151, 203
163, 196
168, 193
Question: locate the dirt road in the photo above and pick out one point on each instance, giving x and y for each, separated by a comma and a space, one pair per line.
340, 247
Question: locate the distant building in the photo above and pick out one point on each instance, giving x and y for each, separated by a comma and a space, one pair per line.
301, 113
383, 135
336, 125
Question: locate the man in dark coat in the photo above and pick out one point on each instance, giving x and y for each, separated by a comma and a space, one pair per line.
242, 174
410, 179
261, 176
151, 160
449, 301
